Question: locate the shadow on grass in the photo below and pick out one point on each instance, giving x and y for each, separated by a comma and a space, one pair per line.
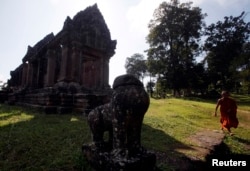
43, 142
166, 149
247, 142
168, 158
230, 160
54, 142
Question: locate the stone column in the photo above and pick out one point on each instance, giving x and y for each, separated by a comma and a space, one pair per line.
106, 72
38, 74
100, 73
82, 69
103, 72
96, 73
91, 74
30, 74
88, 76
24, 74
20, 77
51, 65
75, 64
64, 63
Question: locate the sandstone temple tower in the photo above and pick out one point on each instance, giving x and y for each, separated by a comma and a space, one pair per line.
69, 70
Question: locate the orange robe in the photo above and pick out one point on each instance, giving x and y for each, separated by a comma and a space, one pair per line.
228, 110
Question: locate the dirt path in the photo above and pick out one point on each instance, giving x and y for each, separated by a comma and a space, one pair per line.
204, 143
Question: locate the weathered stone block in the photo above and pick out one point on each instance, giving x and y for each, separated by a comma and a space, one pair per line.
102, 160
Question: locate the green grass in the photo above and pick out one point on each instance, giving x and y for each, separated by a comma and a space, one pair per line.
180, 118
30, 140
174, 120
33, 141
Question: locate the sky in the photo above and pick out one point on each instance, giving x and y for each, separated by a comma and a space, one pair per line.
25, 22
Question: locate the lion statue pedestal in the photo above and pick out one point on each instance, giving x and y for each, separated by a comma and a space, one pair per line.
122, 118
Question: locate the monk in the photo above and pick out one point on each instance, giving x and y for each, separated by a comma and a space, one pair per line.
228, 111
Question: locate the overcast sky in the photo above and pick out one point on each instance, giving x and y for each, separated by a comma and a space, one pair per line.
25, 22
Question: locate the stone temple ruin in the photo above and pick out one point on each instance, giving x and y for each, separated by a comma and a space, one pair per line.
67, 71
70, 71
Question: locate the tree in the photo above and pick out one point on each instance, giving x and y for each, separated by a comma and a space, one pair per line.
199, 79
136, 65
174, 36
243, 66
224, 44
150, 85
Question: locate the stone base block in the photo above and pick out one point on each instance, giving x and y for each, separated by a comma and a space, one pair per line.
107, 161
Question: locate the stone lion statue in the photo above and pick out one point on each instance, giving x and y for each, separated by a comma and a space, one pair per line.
122, 117
100, 121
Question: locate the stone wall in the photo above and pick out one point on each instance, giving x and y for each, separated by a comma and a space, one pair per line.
65, 71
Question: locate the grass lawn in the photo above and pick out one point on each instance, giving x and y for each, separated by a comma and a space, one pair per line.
30, 140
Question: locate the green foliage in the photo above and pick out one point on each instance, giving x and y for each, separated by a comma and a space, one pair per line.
174, 39
136, 66
224, 44
243, 66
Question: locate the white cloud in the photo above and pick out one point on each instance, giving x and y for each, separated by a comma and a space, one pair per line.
54, 2
71, 2
225, 3
140, 15
196, 2
2, 79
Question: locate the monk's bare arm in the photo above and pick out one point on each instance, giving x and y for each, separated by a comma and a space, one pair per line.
216, 108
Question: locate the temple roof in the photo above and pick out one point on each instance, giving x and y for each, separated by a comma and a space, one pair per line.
31, 51
87, 27
90, 20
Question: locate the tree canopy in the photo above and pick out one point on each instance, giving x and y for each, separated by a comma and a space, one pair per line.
174, 36
224, 44
136, 65
177, 35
